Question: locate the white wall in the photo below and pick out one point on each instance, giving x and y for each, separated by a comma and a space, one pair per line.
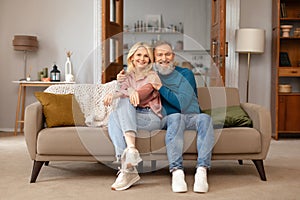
59, 26
257, 14
68, 25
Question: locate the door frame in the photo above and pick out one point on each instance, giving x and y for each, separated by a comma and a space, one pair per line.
97, 50
232, 61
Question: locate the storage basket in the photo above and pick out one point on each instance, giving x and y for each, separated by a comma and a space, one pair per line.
285, 88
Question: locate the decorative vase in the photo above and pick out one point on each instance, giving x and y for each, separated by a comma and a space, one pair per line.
286, 30
68, 69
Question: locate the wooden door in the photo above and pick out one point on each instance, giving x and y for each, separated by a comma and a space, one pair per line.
218, 43
112, 39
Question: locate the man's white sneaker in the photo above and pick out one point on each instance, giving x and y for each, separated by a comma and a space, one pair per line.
178, 182
125, 179
201, 184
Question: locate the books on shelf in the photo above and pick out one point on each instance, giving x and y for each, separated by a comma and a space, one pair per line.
283, 10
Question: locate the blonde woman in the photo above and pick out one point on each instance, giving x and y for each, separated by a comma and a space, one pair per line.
138, 94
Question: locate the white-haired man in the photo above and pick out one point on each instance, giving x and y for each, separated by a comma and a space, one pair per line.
181, 110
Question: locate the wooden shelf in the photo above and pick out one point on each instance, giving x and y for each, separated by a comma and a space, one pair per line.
285, 106
290, 38
290, 19
289, 94
152, 33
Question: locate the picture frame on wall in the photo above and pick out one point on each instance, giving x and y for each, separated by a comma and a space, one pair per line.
153, 22
284, 60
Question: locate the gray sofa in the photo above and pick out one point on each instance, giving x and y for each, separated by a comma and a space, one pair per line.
93, 144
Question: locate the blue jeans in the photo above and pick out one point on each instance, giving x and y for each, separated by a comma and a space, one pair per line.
128, 118
176, 124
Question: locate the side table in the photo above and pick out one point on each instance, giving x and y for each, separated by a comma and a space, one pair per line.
22, 96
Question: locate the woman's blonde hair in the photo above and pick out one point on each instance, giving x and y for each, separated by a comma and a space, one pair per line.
133, 49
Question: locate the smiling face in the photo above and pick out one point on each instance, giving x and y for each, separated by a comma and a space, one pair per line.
164, 55
164, 59
140, 59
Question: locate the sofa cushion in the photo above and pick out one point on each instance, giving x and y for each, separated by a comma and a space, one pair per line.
83, 141
227, 141
232, 116
74, 141
60, 109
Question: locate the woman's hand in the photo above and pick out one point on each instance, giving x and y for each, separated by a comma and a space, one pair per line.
133, 97
108, 99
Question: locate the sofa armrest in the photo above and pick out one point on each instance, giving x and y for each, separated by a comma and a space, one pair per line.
261, 119
33, 123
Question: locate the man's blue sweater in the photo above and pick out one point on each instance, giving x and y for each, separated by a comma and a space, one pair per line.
179, 92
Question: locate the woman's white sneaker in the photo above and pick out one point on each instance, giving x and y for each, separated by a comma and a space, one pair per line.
125, 179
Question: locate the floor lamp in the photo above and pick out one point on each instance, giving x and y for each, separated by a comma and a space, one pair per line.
250, 41
25, 43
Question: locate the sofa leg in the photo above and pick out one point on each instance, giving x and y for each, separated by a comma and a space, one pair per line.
260, 168
140, 167
37, 165
46, 163
240, 162
153, 165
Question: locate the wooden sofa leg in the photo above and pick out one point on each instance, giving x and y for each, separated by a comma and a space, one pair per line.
37, 165
240, 162
46, 163
153, 165
140, 167
260, 168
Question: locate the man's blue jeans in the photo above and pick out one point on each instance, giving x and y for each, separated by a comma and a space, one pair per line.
176, 124
128, 118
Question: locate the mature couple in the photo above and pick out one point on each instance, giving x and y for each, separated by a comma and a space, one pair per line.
165, 97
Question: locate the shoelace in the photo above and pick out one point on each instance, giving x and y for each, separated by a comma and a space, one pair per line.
120, 171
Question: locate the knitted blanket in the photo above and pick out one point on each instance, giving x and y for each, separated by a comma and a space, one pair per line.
90, 99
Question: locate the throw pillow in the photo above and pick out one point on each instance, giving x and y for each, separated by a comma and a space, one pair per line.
232, 116
60, 109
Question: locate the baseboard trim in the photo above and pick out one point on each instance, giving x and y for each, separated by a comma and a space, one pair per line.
7, 130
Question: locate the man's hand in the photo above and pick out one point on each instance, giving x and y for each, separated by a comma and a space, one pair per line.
157, 86
121, 76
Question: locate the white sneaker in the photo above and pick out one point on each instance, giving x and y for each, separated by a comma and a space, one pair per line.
125, 179
178, 182
201, 184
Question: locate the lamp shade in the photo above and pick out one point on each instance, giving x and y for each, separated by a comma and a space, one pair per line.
250, 40
25, 43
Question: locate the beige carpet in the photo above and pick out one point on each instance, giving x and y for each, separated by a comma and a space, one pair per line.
80, 180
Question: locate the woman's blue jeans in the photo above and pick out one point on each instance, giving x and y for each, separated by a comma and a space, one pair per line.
128, 118
176, 124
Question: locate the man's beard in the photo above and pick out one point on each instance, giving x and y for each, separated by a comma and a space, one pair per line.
164, 70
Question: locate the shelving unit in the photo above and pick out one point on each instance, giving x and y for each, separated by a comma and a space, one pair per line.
285, 106
132, 37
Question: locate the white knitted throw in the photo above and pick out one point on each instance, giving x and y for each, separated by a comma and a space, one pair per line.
90, 98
